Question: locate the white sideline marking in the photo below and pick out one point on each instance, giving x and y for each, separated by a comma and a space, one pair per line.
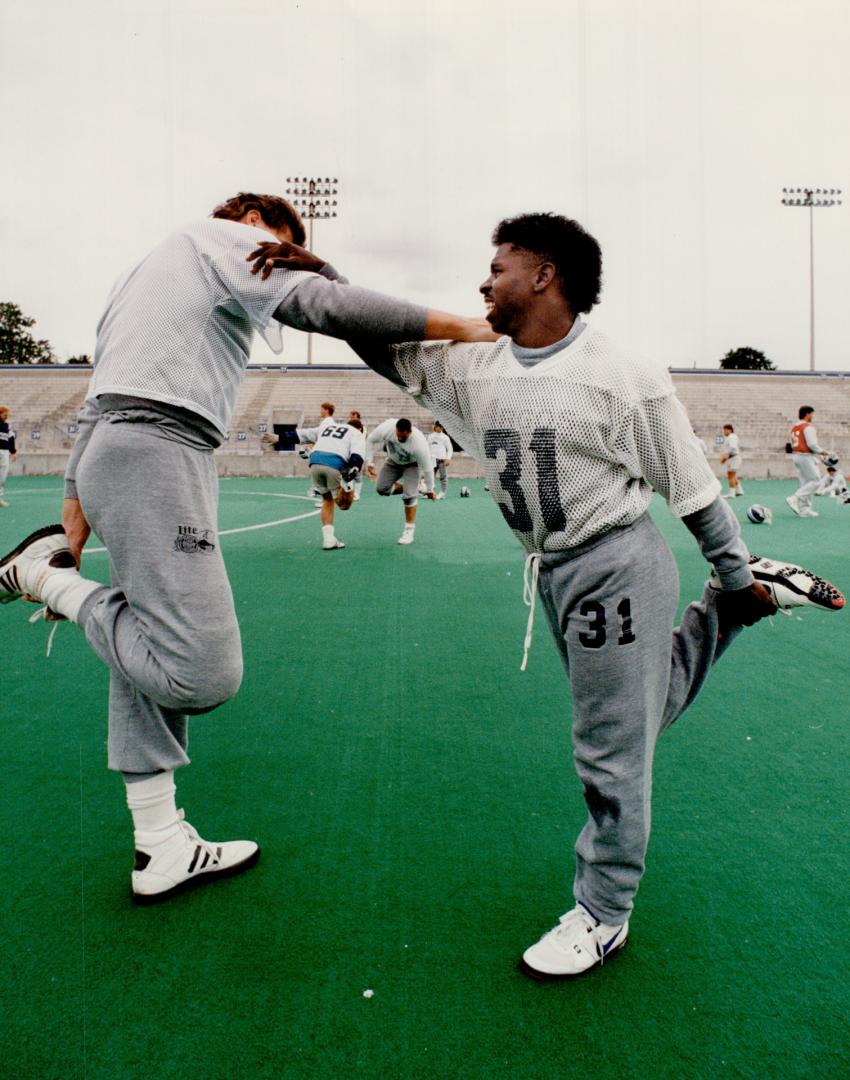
249, 528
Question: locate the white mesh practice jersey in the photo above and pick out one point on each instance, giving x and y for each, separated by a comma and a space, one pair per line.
178, 326
329, 437
571, 447
732, 447
440, 446
413, 451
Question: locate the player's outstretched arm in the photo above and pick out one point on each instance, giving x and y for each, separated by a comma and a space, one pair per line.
323, 304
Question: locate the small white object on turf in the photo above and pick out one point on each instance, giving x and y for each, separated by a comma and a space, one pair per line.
579, 942
169, 861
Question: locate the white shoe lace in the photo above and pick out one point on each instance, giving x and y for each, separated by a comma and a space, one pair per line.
530, 577
44, 613
192, 833
579, 919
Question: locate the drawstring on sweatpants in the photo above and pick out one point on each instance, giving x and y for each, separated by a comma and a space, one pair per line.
529, 596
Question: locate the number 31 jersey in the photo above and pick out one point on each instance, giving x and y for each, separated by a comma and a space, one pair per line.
573, 446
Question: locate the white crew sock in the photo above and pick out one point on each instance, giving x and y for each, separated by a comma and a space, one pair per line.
328, 532
151, 802
65, 590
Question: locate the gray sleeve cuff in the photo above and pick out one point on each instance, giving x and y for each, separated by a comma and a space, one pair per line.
719, 537
332, 274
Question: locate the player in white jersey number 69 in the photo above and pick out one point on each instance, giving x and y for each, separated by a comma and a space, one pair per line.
575, 432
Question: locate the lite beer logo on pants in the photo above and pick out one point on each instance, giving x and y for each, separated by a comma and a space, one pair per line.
191, 539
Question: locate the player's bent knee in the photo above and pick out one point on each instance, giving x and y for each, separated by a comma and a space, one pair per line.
213, 685
385, 489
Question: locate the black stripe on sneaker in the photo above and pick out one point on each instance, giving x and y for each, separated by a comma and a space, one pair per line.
39, 534
195, 858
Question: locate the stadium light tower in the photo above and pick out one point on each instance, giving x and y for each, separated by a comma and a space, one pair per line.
811, 198
313, 198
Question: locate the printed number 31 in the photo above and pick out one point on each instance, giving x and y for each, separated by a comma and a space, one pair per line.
596, 634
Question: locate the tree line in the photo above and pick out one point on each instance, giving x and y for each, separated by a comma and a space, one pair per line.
19, 345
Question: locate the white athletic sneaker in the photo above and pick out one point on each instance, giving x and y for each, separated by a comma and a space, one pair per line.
3, 504
175, 859
795, 506
578, 943
790, 585
332, 545
406, 537
440, 495
739, 491
806, 511
23, 570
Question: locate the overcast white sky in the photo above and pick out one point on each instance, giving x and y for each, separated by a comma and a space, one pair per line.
667, 127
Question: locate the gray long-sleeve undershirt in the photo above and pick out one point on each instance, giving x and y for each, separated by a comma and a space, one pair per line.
718, 534
322, 305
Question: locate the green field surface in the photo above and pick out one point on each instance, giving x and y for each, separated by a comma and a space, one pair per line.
415, 800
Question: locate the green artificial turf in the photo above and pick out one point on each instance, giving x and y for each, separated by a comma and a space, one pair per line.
414, 797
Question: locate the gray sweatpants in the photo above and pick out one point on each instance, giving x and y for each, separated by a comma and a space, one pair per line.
167, 628
611, 605
407, 475
5, 458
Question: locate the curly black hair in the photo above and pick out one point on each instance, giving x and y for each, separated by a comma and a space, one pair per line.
575, 254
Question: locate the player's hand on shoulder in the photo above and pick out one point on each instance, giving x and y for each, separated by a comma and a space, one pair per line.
283, 256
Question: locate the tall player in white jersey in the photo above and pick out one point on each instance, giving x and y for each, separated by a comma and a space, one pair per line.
574, 433
172, 347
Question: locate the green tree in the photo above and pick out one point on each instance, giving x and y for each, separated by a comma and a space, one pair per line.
17, 344
746, 359
83, 358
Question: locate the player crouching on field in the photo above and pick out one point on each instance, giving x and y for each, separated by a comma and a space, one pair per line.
407, 470
574, 433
